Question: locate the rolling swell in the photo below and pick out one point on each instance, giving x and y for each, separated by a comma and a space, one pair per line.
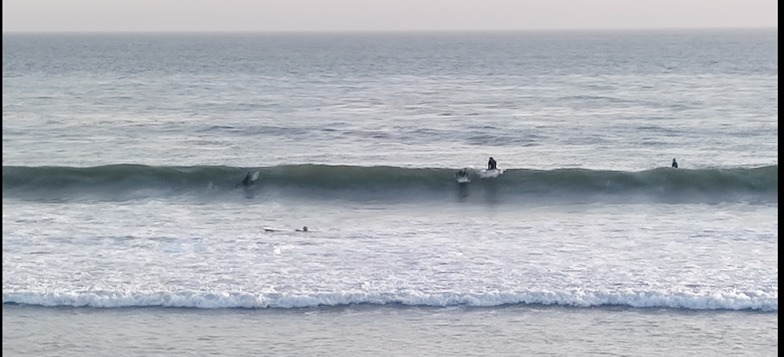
384, 182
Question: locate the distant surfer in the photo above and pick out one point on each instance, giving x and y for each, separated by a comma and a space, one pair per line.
461, 173
491, 165
250, 179
247, 180
270, 229
674, 163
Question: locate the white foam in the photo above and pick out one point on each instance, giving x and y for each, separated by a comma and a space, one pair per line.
578, 298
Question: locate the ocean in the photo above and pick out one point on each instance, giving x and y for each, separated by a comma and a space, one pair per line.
128, 231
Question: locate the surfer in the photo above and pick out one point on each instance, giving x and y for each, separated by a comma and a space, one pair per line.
270, 229
461, 173
491, 165
248, 180
674, 163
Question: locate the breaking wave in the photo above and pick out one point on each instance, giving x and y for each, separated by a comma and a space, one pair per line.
119, 182
579, 298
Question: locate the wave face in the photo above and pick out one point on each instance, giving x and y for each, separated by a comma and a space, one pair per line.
119, 182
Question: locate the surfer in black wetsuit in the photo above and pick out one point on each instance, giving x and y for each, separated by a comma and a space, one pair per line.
461, 173
674, 163
491, 165
248, 180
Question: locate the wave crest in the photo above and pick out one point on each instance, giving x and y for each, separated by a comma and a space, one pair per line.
579, 298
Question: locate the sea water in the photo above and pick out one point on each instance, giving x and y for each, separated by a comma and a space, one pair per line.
127, 230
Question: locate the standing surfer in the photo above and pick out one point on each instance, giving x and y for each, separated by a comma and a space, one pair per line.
491, 165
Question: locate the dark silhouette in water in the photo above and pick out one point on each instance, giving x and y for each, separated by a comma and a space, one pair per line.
674, 163
249, 184
269, 229
491, 164
248, 180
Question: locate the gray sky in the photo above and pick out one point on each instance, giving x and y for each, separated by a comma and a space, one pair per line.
381, 15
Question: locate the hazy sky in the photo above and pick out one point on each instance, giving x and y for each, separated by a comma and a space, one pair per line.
381, 15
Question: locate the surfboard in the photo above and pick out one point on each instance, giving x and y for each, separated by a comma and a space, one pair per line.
490, 173
254, 177
268, 229
463, 179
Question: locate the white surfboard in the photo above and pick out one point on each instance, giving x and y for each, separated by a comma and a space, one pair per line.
463, 179
491, 173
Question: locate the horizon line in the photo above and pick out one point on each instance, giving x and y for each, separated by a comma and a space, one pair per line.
597, 29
